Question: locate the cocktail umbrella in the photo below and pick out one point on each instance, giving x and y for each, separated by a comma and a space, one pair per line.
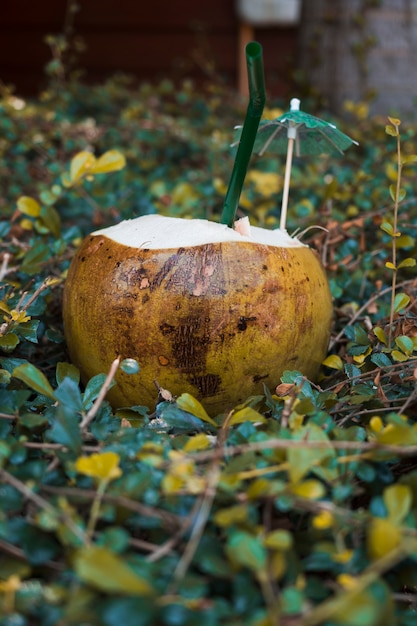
306, 134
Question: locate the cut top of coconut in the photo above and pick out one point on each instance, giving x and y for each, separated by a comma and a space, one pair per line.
158, 231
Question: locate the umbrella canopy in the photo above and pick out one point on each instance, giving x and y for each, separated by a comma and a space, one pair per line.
302, 133
313, 136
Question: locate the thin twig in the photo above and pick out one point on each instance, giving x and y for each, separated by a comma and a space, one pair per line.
41, 502
205, 503
4, 265
285, 444
326, 609
18, 553
121, 501
365, 306
102, 394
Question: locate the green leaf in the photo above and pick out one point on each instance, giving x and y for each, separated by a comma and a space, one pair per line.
247, 414
401, 301
110, 161
302, 460
188, 403
29, 206
5, 377
390, 265
38, 254
405, 241
65, 428
9, 342
177, 420
405, 344
367, 607
387, 228
68, 393
247, 550
47, 197
92, 389
231, 515
398, 499
67, 370
407, 263
409, 159
34, 378
50, 218
102, 569
393, 193
29, 330
391, 130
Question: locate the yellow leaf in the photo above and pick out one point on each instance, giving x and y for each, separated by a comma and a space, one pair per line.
343, 557
398, 356
266, 183
382, 537
246, 414
26, 224
103, 465
278, 565
172, 484
397, 435
380, 335
323, 520
29, 206
278, 540
334, 362
376, 424
391, 171
19, 316
347, 581
110, 161
231, 515
99, 567
198, 442
311, 489
397, 499
258, 487
188, 403
394, 120
391, 130
360, 358
184, 195
12, 584
81, 164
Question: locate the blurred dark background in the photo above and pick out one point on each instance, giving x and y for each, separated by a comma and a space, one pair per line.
362, 50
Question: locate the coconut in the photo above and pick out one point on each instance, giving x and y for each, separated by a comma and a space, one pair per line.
203, 308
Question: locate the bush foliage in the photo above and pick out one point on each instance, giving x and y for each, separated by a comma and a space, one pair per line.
298, 507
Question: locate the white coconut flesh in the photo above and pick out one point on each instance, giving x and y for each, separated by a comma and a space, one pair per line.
156, 232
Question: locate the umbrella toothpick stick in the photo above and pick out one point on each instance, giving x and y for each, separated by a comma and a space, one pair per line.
292, 134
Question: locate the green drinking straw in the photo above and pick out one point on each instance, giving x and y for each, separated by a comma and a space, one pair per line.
256, 105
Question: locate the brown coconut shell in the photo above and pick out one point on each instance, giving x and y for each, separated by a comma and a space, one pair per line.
217, 320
